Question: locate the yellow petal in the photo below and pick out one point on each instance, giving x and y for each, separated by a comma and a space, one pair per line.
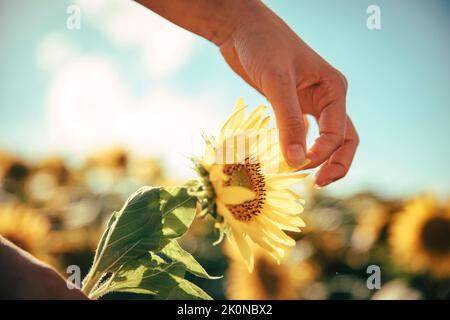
236, 195
285, 207
285, 168
240, 103
239, 241
254, 118
263, 124
283, 194
277, 163
209, 157
275, 233
276, 252
233, 121
268, 144
216, 174
253, 230
282, 226
282, 181
286, 220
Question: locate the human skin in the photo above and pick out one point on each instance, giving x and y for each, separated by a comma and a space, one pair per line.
270, 57
24, 277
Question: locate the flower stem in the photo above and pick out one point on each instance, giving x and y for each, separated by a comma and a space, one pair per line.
89, 284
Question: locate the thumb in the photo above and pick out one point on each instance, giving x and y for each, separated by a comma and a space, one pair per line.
279, 88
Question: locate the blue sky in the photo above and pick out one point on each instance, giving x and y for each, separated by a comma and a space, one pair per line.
128, 77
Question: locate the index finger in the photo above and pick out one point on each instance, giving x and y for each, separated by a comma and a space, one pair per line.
280, 90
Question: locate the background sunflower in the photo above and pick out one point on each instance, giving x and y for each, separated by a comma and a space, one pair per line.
28, 229
269, 280
420, 236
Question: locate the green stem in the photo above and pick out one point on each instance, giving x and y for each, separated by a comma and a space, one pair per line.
89, 284
99, 292
101, 289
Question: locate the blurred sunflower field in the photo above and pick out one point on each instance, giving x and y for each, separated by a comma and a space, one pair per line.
92, 112
57, 212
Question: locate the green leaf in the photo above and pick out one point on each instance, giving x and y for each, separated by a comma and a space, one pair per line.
136, 229
152, 275
177, 254
101, 244
187, 290
126, 259
178, 209
131, 233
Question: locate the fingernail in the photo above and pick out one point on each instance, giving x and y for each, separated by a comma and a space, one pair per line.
321, 184
295, 155
325, 182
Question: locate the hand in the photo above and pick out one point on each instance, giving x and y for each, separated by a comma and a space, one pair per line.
24, 277
270, 57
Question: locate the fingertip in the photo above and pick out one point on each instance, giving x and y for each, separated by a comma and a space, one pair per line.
321, 181
295, 155
329, 173
324, 175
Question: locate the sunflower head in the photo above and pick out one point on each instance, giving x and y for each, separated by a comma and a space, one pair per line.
26, 228
269, 280
13, 174
245, 184
114, 158
420, 236
55, 167
436, 235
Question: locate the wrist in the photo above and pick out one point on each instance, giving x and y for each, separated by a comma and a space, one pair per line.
214, 20
229, 16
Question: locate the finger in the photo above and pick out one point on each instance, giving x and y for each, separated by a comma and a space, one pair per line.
279, 88
332, 121
339, 163
306, 122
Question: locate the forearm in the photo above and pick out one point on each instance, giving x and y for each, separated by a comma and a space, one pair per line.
214, 20
24, 277
14, 265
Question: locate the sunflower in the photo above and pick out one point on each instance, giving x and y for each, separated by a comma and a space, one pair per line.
397, 289
115, 158
370, 223
47, 178
13, 174
269, 280
27, 229
247, 179
420, 236
106, 170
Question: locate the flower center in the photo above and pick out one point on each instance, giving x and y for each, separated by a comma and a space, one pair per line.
436, 235
247, 174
